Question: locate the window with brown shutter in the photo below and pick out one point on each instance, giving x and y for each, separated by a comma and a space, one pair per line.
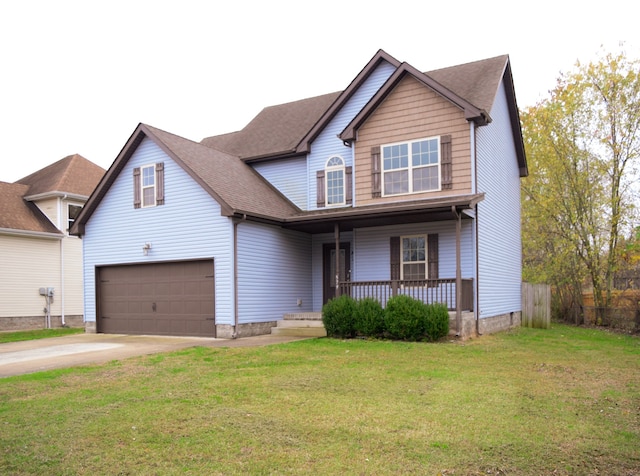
136, 188
320, 201
413, 261
375, 172
348, 188
394, 257
446, 163
432, 256
160, 183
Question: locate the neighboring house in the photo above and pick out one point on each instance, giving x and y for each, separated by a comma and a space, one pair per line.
405, 182
40, 264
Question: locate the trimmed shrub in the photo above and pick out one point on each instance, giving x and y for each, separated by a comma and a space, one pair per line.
369, 318
436, 324
404, 318
338, 317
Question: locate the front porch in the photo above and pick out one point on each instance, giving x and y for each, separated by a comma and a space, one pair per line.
426, 290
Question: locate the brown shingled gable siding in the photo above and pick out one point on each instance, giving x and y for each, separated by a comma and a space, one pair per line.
413, 111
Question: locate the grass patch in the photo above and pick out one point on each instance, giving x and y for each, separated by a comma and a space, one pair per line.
529, 402
38, 334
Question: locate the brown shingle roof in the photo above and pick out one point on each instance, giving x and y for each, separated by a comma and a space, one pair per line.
227, 178
19, 214
276, 130
74, 175
477, 82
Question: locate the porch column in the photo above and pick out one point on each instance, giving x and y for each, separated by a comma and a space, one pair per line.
336, 234
458, 271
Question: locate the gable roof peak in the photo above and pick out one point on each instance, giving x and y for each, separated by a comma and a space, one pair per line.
73, 174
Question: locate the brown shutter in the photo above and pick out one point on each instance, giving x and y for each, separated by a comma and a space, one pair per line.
136, 188
432, 256
394, 257
446, 166
320, 200
348, 189
375, 173
160, 183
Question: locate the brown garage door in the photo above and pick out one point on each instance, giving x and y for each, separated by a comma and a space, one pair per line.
159, 299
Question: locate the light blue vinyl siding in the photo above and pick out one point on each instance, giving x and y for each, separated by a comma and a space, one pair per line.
328, 143
499, 241
274, 271
189, 226
370, 251
289, 176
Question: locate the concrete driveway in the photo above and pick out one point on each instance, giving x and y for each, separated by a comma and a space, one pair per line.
30, 356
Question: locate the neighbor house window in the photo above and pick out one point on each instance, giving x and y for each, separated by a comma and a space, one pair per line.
335, 181
72, 213
413, 257
410, 167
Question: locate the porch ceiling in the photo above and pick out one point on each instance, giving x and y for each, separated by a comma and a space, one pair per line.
438, 209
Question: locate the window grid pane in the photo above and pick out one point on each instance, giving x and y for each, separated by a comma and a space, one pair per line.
414, 258
335, 187
425, 179
396, 182
424, 152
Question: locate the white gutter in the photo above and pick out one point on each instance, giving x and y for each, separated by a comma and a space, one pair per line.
55, 194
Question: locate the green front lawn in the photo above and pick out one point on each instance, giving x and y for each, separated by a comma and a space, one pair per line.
39, 334
529, 402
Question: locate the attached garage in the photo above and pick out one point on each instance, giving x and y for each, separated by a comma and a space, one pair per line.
172, 298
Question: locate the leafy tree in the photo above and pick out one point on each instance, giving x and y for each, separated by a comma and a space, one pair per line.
582, 146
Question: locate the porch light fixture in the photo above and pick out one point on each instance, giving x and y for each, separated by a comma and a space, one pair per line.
145, 248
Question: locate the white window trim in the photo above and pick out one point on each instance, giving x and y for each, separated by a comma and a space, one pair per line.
426, 255
335, 168
71, 204
410, 167
142, 186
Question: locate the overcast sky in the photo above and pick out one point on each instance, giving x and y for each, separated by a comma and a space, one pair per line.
78, 76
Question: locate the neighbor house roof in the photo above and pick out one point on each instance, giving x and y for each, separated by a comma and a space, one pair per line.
73, 175
18, 214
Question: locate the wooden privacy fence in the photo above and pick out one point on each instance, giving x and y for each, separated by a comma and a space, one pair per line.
536, 305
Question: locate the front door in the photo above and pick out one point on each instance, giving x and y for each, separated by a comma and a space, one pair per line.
329, 268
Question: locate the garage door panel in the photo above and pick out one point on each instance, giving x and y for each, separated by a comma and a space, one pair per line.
160, 298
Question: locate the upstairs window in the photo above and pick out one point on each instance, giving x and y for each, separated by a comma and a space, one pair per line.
411, 167
148, 185
335, 181
72, 213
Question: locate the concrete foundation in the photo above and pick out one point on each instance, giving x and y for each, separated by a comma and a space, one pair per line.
488, 325
30, 323
225, 331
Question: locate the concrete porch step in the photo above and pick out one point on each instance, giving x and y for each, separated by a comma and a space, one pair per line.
301, 324
299, 331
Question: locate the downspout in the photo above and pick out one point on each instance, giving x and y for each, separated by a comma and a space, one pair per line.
63, 323
474, 162
336, 233
234, 335
458, 272
62, 293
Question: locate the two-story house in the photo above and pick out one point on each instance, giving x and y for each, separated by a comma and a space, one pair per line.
40, 264
405, 182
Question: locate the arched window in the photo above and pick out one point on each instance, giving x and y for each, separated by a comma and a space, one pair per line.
335, 181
